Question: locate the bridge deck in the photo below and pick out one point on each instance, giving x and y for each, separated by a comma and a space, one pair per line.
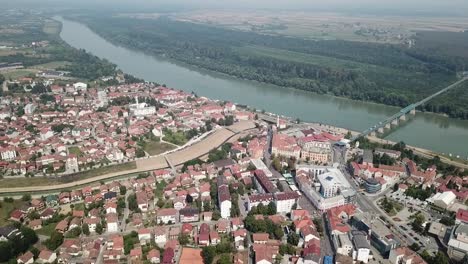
405, 111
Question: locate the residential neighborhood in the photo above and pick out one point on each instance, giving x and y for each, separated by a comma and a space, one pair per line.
274, 193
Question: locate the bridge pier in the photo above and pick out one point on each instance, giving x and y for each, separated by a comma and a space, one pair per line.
403, 117
381, 130
373, 134
413, 111
388, 126
395, 122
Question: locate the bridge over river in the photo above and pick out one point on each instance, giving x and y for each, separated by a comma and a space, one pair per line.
401, 115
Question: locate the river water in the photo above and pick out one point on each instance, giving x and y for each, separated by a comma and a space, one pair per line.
430, 131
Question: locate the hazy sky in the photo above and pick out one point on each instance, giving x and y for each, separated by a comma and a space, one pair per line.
434, 7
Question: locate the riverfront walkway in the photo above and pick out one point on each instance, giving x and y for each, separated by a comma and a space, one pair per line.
179, 157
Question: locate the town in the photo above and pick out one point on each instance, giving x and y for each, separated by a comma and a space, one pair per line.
277, 192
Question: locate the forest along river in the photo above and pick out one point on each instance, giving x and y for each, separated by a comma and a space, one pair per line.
429, 131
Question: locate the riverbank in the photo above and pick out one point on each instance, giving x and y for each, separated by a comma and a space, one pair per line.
417, 150
306, 106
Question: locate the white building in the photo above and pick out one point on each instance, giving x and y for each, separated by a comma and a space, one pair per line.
361, 247
80, 86
112, 223
102, 98
141, 109
46, 133
71, 164
443, 200
258, 163
8, 153
344, 245
224, 197
115, 154
458, 243
29, 109
404, 255
225, 207
144, 235
256, 199
160, 236
320, 202
284, 201
331, 181
166, 216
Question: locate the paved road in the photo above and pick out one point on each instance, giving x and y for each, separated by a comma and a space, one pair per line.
368, 206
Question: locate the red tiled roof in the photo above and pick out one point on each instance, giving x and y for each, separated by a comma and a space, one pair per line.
462, 215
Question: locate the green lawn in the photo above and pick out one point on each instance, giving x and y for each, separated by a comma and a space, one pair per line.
75, 150
79, 207
51, 65
99, 171
47, 230
155, 148
23, 182
18, 73
177, 138
6, 208
41, 181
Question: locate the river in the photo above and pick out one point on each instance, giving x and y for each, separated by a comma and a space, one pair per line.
429, 131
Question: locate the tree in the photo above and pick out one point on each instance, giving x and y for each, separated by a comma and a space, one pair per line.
208, 254
241, 189
276, 163
75, 232
29, 236
271, 208
216, 215
189, 198
440, 258
415, 247
85, 229
140, 153
287, 249
224, 259
418, 222
55, 240
278, 259
99, 228
447, 220
132, 202
183, 239
348, 135
251, 167
318, 224
26, 198
6, 251
293, 238
123, 190
160, 203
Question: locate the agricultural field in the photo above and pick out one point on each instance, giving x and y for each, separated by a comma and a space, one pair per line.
51, 27
382, 72
324, 26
